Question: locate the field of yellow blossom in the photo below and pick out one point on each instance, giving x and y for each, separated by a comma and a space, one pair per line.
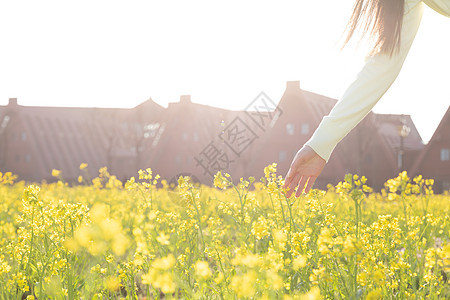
104, 239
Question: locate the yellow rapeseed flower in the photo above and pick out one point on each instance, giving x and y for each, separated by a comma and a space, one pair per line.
376, 294
220, 181
164, 263
163, 239
250, 260
119, 244
280, 238
165, 283
202, 269
270, 169
260, 228
324, 240
244, 285
112, 283
99, 213
161, 280
275, 280
300, 262
219, 278
313, 294
350, 245
83, 236
110, 228
378, 276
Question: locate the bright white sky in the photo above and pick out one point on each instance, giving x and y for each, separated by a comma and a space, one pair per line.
223, 53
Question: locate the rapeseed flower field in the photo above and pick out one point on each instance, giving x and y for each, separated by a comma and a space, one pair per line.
104, 239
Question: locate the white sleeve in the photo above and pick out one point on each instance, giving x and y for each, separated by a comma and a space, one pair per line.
377, 75
441, 6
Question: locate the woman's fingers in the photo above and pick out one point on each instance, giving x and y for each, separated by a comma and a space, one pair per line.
310, 184
305, 168
301, 185
290, 182
288, 178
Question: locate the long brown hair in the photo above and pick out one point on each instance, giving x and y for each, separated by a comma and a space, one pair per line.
381, 20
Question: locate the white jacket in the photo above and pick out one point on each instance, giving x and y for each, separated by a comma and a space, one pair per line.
377, 75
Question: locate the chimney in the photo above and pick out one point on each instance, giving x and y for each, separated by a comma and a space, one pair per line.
185, 99
12, 102
293, 85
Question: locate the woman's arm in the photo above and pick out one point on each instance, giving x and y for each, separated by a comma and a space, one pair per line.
361, 96
377, 75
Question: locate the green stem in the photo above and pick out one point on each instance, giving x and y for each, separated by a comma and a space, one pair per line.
198, 222
341, 277
357, 224
282, 211
242, 204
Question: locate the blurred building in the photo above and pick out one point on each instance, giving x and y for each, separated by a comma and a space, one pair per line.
187, 138
35, 140
434, 160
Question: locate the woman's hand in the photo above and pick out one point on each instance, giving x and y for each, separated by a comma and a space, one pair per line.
305, 168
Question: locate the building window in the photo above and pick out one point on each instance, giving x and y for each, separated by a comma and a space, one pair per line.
150, 130
23, 136
305, 128
445, 154
282, 156
27, 158
178, 159
195, 137
5, 122
185, 136
290, 129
